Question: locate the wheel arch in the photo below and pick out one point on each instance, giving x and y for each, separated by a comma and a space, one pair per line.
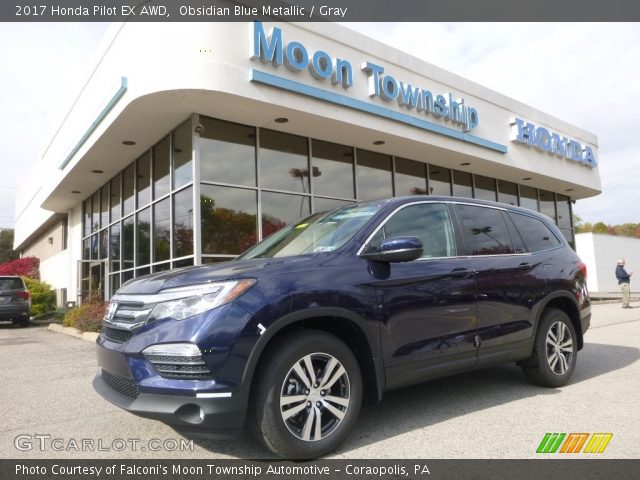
341, 323
565, 302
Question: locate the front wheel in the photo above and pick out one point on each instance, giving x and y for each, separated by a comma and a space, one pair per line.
555, 351
308, 395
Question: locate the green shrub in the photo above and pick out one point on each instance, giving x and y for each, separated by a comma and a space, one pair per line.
43, 298
88, 316
53, 316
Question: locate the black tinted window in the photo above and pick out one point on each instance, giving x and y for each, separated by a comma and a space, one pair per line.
11, 283
536, 234
428, 221
484, 230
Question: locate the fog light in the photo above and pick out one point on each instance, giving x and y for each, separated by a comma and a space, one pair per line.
178, 360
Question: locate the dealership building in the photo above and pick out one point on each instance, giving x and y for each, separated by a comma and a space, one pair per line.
189, 142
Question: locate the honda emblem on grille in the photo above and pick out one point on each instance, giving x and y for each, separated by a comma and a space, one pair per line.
111, 311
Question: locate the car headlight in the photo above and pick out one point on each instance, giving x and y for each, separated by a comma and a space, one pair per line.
184, 302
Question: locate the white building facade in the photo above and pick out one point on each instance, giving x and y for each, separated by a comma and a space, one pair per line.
190, 142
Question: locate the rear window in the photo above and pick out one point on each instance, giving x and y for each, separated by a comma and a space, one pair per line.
11, 283
535, 234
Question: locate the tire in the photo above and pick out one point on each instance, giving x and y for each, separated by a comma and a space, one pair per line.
555, 351
318, 419
22, 322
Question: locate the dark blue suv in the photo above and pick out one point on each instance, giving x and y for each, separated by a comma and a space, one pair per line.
292, 337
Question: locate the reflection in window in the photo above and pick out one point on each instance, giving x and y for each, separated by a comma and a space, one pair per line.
182, 155
95, 246
161, 167
114, 247
86, 208
529, 197
564, 210
161, 230
104, 243
548, 204
507, 192
284, 161
536, 234
86, 249
439, 181
143, 236
183, 223
104, 206
127, 242
227, 152
484, 188
143, 179
128, 181
373, 175
429, 222
229, 219
333, 167
185, 262
279, 209
484, 230
115, 198
462, 184
411, 177
95, 211
324, 204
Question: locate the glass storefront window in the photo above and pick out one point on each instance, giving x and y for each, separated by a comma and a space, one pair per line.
182, 161
484, 188
95, 211
373, 173
86, 208
161, 230
104, 244
143, 179
284, 161
507, 192
280, 209
564, 210
114, 247
229, 219
183, 223
462, 184
143, 239
161, 167
162, 267
95, 246
86, 249
411, 177
185, 262
115, 198
127, 242
104, 206
332, 165
528, 197
128, 181
227, 152
439, 181
548, 204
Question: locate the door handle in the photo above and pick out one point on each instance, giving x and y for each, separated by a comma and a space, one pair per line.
525, 266
461, 272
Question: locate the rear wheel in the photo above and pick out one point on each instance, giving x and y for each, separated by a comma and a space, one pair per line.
555, 351
22, 322
308, 395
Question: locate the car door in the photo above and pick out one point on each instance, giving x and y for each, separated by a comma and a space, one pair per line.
426, 306
508, 281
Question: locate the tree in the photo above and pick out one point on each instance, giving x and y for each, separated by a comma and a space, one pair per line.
600, 227
23, 267
6, 246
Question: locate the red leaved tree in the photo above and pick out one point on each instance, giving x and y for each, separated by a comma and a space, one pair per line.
23, 267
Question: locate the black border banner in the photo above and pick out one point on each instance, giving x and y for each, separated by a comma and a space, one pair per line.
319, 10
177, 469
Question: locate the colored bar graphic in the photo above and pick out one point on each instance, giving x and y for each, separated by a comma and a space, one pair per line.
598, 442
550, 442
574, 442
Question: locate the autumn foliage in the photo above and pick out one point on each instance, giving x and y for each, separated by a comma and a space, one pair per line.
22, 267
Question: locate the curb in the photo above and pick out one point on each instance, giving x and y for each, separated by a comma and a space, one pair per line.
73, 332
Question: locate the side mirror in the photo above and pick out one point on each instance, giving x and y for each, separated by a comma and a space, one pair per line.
397, 249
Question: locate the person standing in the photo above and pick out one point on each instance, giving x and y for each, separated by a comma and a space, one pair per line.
624, 279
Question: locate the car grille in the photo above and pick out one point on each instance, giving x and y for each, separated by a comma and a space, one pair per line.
123, 386
115, 335
186, 368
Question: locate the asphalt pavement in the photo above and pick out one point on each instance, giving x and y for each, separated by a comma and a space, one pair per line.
51, 411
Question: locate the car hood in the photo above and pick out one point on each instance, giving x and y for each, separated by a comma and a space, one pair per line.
236, 269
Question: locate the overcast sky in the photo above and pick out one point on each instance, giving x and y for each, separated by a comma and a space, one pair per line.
585, 74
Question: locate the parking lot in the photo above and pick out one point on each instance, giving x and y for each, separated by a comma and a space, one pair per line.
49, 403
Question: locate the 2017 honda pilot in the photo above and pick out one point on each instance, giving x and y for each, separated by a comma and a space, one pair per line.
15, 301
292, 337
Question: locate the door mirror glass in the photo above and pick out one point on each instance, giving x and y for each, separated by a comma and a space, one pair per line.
397, 249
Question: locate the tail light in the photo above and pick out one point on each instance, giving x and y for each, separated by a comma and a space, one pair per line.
25, 295
583, 268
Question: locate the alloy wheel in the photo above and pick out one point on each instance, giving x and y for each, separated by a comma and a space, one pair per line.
559, 348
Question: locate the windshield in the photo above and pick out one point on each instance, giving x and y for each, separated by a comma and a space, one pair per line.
321, 232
